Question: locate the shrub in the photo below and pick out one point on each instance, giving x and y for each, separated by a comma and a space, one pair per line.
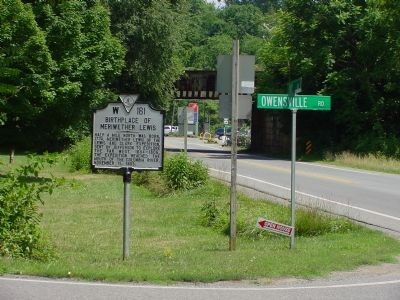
79, 156
182, 173
379, 144
20, 193
152, 181
210, 213
214, 213
142, 178
217, 216
311, 222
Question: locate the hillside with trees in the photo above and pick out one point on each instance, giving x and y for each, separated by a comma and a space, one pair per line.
61, 59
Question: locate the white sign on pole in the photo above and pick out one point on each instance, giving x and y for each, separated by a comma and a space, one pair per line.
244, 106
246, 74
128, 139
276, 227
190, 115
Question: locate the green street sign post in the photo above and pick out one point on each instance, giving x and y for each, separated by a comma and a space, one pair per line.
293, 102
295, 87
300, 102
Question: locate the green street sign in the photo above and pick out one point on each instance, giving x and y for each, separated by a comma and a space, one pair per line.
295, 87
300, 102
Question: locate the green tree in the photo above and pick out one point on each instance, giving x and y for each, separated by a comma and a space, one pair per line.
264, 5
87, 58
345, 49
210, 31
66, 59
380, 75
27, 65
243, 20
205, 55
150, 31
7, 89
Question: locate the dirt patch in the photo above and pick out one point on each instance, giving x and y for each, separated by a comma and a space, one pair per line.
363, 272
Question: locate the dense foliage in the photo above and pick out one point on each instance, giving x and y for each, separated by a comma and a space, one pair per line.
151, 33
349, 50
208, 32
64, 58
26, 87
78, 156
87, 59
180, 172
20, 195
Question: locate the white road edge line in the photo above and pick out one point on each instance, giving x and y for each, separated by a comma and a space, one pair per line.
312, 196
344, 169
60, 282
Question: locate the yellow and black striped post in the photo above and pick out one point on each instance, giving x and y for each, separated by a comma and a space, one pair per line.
308, 147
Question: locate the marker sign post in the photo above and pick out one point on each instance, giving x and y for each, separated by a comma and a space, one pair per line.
293, 102
128, 136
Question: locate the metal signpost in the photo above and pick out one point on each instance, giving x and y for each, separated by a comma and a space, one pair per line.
128, 136
293, 102
188, 125
185, 127
294, 88
235, 94
235, 83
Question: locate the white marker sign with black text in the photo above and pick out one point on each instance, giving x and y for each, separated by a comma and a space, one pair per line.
123, 139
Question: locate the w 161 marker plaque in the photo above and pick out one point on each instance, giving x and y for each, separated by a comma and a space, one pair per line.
125, 138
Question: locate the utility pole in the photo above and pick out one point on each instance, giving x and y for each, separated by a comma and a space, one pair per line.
293, 178
126, 213
185, 128
235, 96
294, 88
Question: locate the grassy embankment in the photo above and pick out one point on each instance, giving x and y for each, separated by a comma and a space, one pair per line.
168, 242
365, 162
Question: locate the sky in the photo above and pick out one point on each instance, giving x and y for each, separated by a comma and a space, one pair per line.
216, 3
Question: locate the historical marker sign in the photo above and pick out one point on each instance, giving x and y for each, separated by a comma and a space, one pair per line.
300, 102
128, 138
272, 226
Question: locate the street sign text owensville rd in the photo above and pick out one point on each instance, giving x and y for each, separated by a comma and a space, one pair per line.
301, 102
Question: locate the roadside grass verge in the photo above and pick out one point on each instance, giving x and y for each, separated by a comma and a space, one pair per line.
371, 162
170, 243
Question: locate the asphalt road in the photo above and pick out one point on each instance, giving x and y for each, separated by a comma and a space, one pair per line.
369, 197
380, 286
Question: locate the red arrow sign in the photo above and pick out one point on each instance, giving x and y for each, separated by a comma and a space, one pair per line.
261, 223
272, 226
